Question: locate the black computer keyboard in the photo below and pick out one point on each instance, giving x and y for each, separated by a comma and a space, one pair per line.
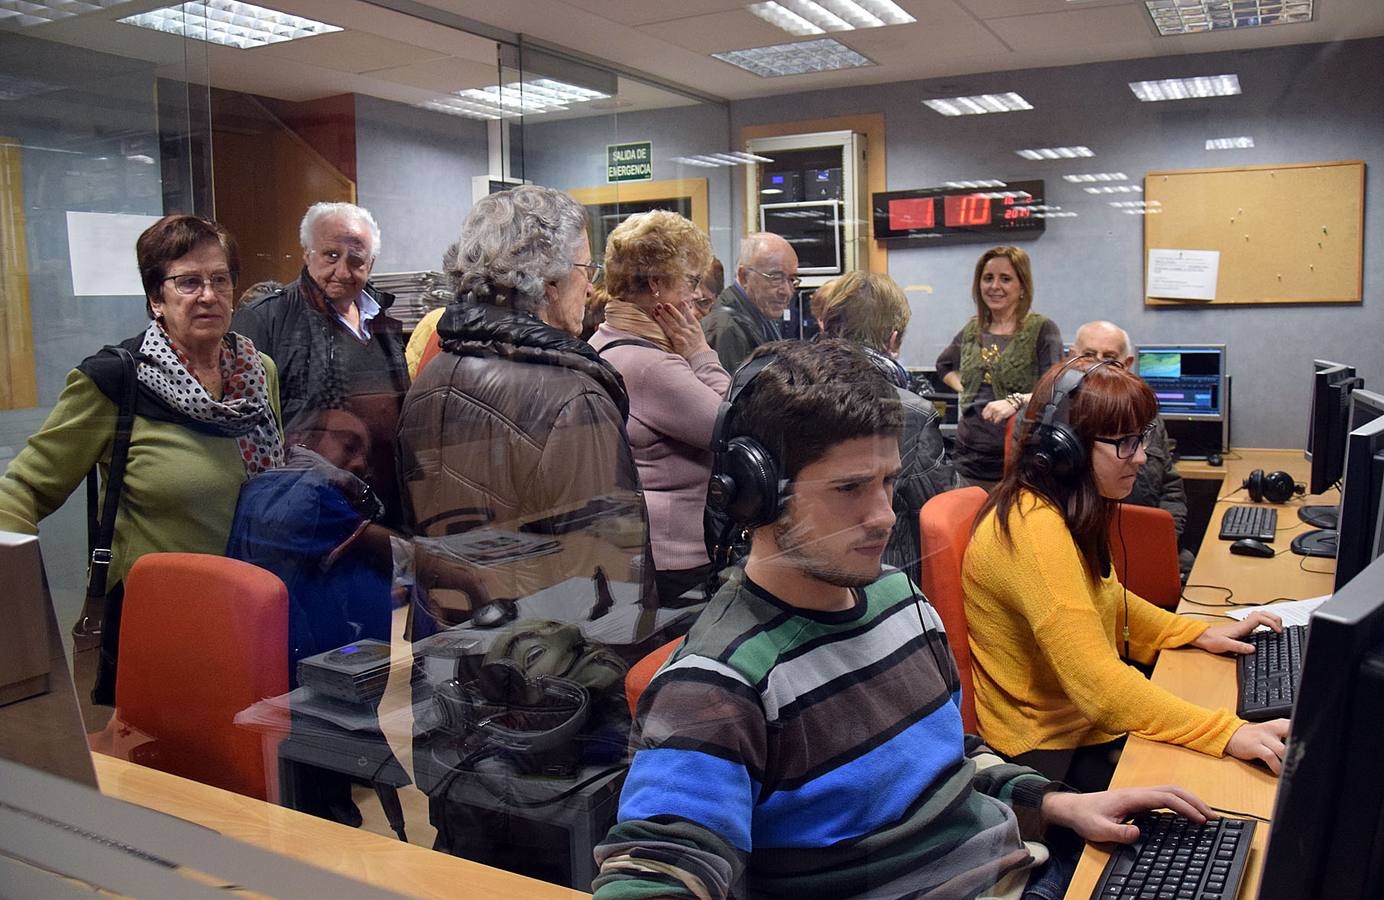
1258, 522
1175, 859
1267, 679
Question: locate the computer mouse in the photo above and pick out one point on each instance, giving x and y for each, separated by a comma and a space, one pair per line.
495, 614
1213, 459
1251, 547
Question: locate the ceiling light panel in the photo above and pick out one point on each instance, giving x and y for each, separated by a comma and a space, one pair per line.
24, 14
982, 183
1244, 142
227, 22
1095, 176
513, 100
809, 17
1056, 153
1115, 189
978, 104
822, 55
1172, 17
1186, 88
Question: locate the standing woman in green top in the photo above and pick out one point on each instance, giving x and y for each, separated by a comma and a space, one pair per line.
994, 362
206, 417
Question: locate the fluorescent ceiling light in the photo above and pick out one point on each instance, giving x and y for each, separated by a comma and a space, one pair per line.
1172, 17
1054, 215
979, 104
982, 183
804, 17
24, 13
1056, 153
1116, 189
716, 160
1134, 204
518, 98
1096, 176
1244, 142
227, 22
823, 55
1186, 88
1142, 212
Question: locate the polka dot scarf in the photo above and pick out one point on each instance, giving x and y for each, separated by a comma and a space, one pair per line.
243, 412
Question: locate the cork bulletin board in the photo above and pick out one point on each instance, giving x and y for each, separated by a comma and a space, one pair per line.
1284, 234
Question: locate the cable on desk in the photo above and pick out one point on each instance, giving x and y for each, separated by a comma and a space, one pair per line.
1231, 494
1243, 815
1225, 601
1302, 564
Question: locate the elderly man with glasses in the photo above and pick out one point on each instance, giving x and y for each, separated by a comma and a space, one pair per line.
750, 308
332, 339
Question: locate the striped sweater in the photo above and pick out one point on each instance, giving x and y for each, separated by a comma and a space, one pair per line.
783, 751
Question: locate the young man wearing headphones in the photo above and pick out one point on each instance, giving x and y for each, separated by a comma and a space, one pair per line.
1051, 627
805, 738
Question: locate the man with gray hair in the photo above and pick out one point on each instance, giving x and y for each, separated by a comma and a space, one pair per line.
332, 339
749, 310
1158, 482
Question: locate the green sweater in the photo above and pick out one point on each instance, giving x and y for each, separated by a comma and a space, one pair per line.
181, 486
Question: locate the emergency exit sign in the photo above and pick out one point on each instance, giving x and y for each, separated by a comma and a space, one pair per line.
630, 162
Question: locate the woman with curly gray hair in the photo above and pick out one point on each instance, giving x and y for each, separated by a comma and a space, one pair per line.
518, 423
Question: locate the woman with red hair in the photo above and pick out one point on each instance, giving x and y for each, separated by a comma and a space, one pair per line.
1053, 633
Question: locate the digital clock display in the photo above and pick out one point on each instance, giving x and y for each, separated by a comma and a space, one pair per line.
965, 214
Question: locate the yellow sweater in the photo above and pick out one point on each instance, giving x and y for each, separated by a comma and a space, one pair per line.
1046, 645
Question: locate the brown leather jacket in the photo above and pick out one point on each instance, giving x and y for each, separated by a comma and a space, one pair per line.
515, 435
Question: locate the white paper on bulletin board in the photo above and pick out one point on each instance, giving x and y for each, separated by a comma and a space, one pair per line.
1183, 274
101, 251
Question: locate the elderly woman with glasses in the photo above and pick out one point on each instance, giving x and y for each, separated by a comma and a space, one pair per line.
205, 416
654, 263
1052, 630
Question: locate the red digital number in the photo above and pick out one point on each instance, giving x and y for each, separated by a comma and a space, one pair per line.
913, 213
966, 209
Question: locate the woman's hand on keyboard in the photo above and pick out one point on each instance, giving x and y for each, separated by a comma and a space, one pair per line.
1101, 816
1260, 742
1226, 638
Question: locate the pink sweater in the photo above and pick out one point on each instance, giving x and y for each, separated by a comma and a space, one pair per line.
673, 405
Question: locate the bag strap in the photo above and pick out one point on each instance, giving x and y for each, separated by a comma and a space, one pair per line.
100, 538
628, 342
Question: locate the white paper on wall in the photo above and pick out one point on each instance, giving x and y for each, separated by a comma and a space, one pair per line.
101, 252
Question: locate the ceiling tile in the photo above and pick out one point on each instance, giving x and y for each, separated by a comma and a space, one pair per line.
999, 9
347, 51
441, 75
1085, 26
734, 30
644, 12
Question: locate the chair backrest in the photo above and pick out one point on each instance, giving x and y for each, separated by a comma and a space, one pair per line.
642, 672
945, 528
1011, 449
201, 638
1143, 547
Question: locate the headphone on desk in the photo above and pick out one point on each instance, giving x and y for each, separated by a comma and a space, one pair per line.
1057, 448
747, 483
1274, 487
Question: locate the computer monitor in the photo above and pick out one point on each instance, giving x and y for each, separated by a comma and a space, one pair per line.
1187, 379
1362, 491
1332, 384
1327, 837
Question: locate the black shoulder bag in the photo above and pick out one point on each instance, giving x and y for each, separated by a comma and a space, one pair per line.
99, 622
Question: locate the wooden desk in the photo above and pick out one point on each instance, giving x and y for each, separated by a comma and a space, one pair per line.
1210, 680
366, 857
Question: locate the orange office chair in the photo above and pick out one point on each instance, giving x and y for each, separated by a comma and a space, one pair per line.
945, 528
1143, 547
642, 672
201, 638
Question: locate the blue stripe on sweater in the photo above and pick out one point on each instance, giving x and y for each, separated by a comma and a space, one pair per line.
834, 807
715, 793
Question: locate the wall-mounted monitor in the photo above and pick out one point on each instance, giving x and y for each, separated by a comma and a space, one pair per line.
951, 215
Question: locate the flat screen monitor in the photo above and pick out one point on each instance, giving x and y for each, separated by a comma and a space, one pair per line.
1359, 533
1326, 435
1327, 837
1187, 379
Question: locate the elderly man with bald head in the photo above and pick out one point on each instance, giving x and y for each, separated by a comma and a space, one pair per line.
749, 310
1158, 482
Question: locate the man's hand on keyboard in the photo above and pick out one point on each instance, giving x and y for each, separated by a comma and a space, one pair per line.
1226, 638
1100, 817
1260, 742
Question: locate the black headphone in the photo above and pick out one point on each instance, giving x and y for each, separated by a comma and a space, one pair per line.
1274, 487
1057, 448
512, 712
747, 483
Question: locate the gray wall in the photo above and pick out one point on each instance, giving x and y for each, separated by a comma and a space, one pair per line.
572, 154
1301, 104
413, 172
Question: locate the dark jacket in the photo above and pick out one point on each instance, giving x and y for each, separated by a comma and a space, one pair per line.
736, 326
323, 366
1158, 483
517, 427
925, 471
